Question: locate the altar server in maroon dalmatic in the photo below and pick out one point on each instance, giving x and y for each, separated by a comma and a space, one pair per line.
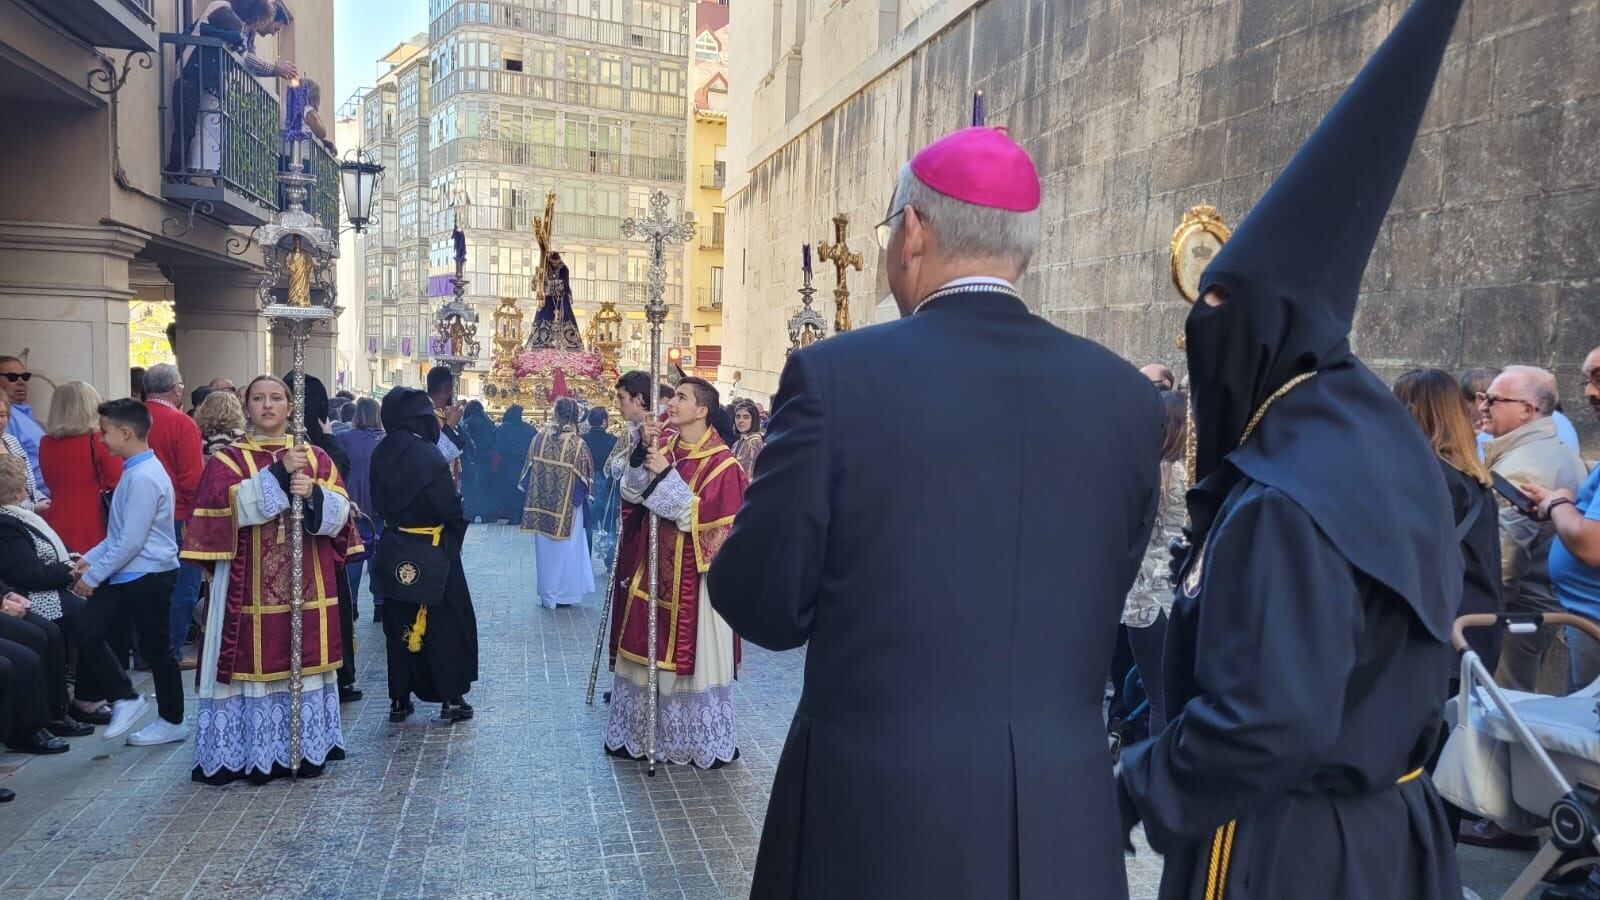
690, 479
961, 609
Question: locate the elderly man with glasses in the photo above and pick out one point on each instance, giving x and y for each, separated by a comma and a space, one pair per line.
1526, 449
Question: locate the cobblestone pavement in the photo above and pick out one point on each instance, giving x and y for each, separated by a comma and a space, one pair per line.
519, 802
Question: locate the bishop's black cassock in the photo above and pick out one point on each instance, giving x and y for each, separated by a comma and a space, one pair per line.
1307, 656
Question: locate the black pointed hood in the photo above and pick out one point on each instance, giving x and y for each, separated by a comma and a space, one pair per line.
1338, 444
1293, 269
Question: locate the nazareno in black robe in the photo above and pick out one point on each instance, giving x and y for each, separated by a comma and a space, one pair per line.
1306, 656
412, 488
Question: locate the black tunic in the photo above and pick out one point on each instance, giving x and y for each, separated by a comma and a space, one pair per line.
1305, 691
412, 488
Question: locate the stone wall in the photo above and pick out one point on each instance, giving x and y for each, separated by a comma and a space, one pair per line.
1136, 110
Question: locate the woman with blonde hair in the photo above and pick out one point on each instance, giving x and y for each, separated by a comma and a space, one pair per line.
220, 419
1433, 397
78, 469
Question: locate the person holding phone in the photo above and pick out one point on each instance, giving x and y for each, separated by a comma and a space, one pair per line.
1526, 450
1575, 555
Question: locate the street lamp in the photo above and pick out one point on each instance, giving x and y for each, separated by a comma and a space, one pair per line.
358, 181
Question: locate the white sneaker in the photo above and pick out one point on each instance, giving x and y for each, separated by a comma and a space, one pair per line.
123, 714
159, 732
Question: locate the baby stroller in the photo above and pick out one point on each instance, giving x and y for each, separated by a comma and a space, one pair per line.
1526, 761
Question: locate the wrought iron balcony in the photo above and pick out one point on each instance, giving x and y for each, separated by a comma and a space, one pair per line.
122, 24
222, 130
710, 299
324, 199
714, 177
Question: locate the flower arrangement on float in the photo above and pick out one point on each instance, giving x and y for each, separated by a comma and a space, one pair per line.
546, 361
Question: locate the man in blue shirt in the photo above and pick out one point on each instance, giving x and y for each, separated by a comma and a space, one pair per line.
1575, 556
131, 574
14, 378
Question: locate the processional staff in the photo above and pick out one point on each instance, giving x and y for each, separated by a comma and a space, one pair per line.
658, 229
297, 245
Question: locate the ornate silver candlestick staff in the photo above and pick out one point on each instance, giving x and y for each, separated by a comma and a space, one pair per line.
296, 295
658, 229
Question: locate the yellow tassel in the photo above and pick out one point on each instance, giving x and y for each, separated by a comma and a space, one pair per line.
413, 635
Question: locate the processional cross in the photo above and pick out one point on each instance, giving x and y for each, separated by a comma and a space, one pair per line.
658, 229
544, 229
842, 257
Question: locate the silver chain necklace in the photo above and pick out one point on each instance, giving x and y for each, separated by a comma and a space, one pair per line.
982, 288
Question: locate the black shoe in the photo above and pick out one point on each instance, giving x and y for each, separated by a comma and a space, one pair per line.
101, 716
455, 710
377, 614
606, 696
67, 728
6, 795
719, 763
1484, 833
40, 743
400, 710
350, 693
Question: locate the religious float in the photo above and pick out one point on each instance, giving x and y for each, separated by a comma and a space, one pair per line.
553, 360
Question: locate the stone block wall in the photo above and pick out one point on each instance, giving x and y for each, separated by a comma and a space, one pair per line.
1136, 110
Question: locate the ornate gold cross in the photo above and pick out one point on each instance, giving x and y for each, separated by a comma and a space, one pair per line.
842, 257
544, 229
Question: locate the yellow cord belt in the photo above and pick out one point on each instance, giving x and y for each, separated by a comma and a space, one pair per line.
1222, 850
419, 626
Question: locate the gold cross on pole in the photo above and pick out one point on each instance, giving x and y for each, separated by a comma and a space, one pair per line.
544, 229
842, 257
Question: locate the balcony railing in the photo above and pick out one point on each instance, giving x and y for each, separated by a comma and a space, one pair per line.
584, 225
709, 299
655, 168
714, 177
517, 17
595, 162
711, 238
122, 24
222, 130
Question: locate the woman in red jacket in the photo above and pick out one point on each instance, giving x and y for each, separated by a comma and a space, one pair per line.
77, 467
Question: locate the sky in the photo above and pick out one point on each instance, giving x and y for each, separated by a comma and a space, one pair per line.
365, 30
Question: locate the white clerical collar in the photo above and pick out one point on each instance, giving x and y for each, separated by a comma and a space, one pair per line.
969, 284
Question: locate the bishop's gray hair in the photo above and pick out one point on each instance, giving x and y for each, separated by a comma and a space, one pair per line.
161, 378
967, 231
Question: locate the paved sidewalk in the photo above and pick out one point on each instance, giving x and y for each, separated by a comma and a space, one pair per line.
520, 802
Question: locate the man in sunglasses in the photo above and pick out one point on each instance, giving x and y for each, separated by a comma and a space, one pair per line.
14, 378
1526, 449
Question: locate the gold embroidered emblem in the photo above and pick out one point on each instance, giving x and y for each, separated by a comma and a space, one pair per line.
407, 573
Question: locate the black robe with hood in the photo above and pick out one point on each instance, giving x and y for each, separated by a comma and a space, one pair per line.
412, 488
1307, 653
511, 444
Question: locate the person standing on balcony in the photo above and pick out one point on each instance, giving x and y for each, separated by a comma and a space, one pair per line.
197, 92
